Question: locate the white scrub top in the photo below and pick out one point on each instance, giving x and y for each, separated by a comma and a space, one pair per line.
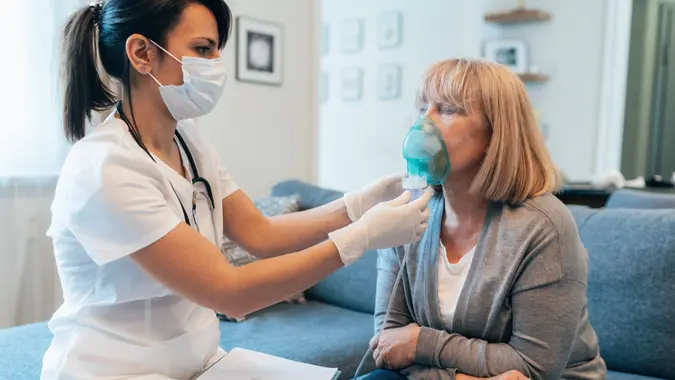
116, 322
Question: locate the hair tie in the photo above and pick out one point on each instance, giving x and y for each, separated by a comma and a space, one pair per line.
95, 9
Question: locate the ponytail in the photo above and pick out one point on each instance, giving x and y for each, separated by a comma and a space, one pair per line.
84, 89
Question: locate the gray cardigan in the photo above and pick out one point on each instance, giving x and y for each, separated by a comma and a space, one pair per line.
522, 307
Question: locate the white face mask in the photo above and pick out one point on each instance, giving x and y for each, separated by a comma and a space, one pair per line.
203, 83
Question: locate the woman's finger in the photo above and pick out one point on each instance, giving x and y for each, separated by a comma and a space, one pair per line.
384, 356
379, 360
374, 342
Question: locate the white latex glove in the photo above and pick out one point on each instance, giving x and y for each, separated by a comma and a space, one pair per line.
381, 190
388, 224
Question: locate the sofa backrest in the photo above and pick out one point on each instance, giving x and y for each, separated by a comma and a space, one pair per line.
629, 198
631, 286
352, 287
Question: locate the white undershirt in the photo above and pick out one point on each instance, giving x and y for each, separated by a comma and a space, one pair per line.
451, 278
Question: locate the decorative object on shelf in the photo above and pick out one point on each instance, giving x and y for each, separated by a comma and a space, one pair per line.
519, 15
389, 30
351, 38
533, 77
389, 81
324, 87
259, 51
351, 84
510, 53
325, 40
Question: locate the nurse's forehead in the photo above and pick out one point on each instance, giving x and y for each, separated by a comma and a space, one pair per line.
197, 21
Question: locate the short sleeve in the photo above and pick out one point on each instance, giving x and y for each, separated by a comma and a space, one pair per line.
227, 184
119, 208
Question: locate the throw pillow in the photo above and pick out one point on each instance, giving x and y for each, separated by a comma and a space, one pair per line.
238, 256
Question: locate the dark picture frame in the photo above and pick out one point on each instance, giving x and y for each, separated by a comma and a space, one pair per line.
259, 57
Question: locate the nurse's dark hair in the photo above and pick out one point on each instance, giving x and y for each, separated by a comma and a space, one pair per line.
94, 43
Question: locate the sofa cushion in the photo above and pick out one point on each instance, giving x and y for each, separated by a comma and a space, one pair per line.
352, 287
631, 292
310, 196
627, 198
314, 332
22, 350
611, 375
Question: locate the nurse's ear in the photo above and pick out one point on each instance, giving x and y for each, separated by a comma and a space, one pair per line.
143, 55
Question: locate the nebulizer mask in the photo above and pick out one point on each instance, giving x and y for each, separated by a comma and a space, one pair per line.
426, 157
428, 164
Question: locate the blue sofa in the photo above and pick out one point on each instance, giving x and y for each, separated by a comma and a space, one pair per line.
631, 300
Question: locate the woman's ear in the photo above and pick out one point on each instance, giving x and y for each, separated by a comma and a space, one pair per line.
142, 53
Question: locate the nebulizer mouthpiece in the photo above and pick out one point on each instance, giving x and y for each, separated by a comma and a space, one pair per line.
426, 157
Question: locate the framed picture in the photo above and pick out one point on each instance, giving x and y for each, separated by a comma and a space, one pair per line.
259, 55
510, 53
325, 40
323, 87
389, 82
351, 35
351, 84
389, 30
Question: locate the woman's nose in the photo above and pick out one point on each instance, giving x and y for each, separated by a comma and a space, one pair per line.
432, 113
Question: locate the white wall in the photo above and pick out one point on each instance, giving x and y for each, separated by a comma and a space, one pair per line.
265, 134
362, 140
570, 49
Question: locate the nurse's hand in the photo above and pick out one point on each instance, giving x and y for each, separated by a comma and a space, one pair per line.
388, 224
382, 190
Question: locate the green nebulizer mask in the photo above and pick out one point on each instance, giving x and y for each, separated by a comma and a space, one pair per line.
426, 157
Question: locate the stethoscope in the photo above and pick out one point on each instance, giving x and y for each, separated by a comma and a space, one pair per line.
196, 178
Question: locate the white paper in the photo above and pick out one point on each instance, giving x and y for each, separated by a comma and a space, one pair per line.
242, 364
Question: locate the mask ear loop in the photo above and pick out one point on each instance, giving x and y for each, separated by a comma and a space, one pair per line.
169, 54
155, 79
166, 51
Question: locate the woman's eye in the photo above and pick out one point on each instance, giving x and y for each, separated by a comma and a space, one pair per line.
447, 110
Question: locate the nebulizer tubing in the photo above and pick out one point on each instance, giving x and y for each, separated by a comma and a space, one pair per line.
386, 314
416, 187
428, 164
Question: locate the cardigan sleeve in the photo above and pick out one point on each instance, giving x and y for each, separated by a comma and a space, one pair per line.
387, 270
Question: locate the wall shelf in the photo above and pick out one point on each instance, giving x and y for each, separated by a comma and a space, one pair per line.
533, 77
518, 15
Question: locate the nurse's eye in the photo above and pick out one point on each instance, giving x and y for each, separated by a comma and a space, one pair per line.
203, 50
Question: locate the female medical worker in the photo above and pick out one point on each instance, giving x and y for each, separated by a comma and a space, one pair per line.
142, 203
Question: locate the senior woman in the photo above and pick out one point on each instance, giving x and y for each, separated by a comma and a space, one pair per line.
497, 285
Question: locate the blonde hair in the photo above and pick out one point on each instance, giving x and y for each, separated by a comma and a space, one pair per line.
517, 164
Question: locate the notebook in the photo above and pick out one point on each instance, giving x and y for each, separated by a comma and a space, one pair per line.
242, 364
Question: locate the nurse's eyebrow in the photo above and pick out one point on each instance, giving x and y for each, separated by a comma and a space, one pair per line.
211, 41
